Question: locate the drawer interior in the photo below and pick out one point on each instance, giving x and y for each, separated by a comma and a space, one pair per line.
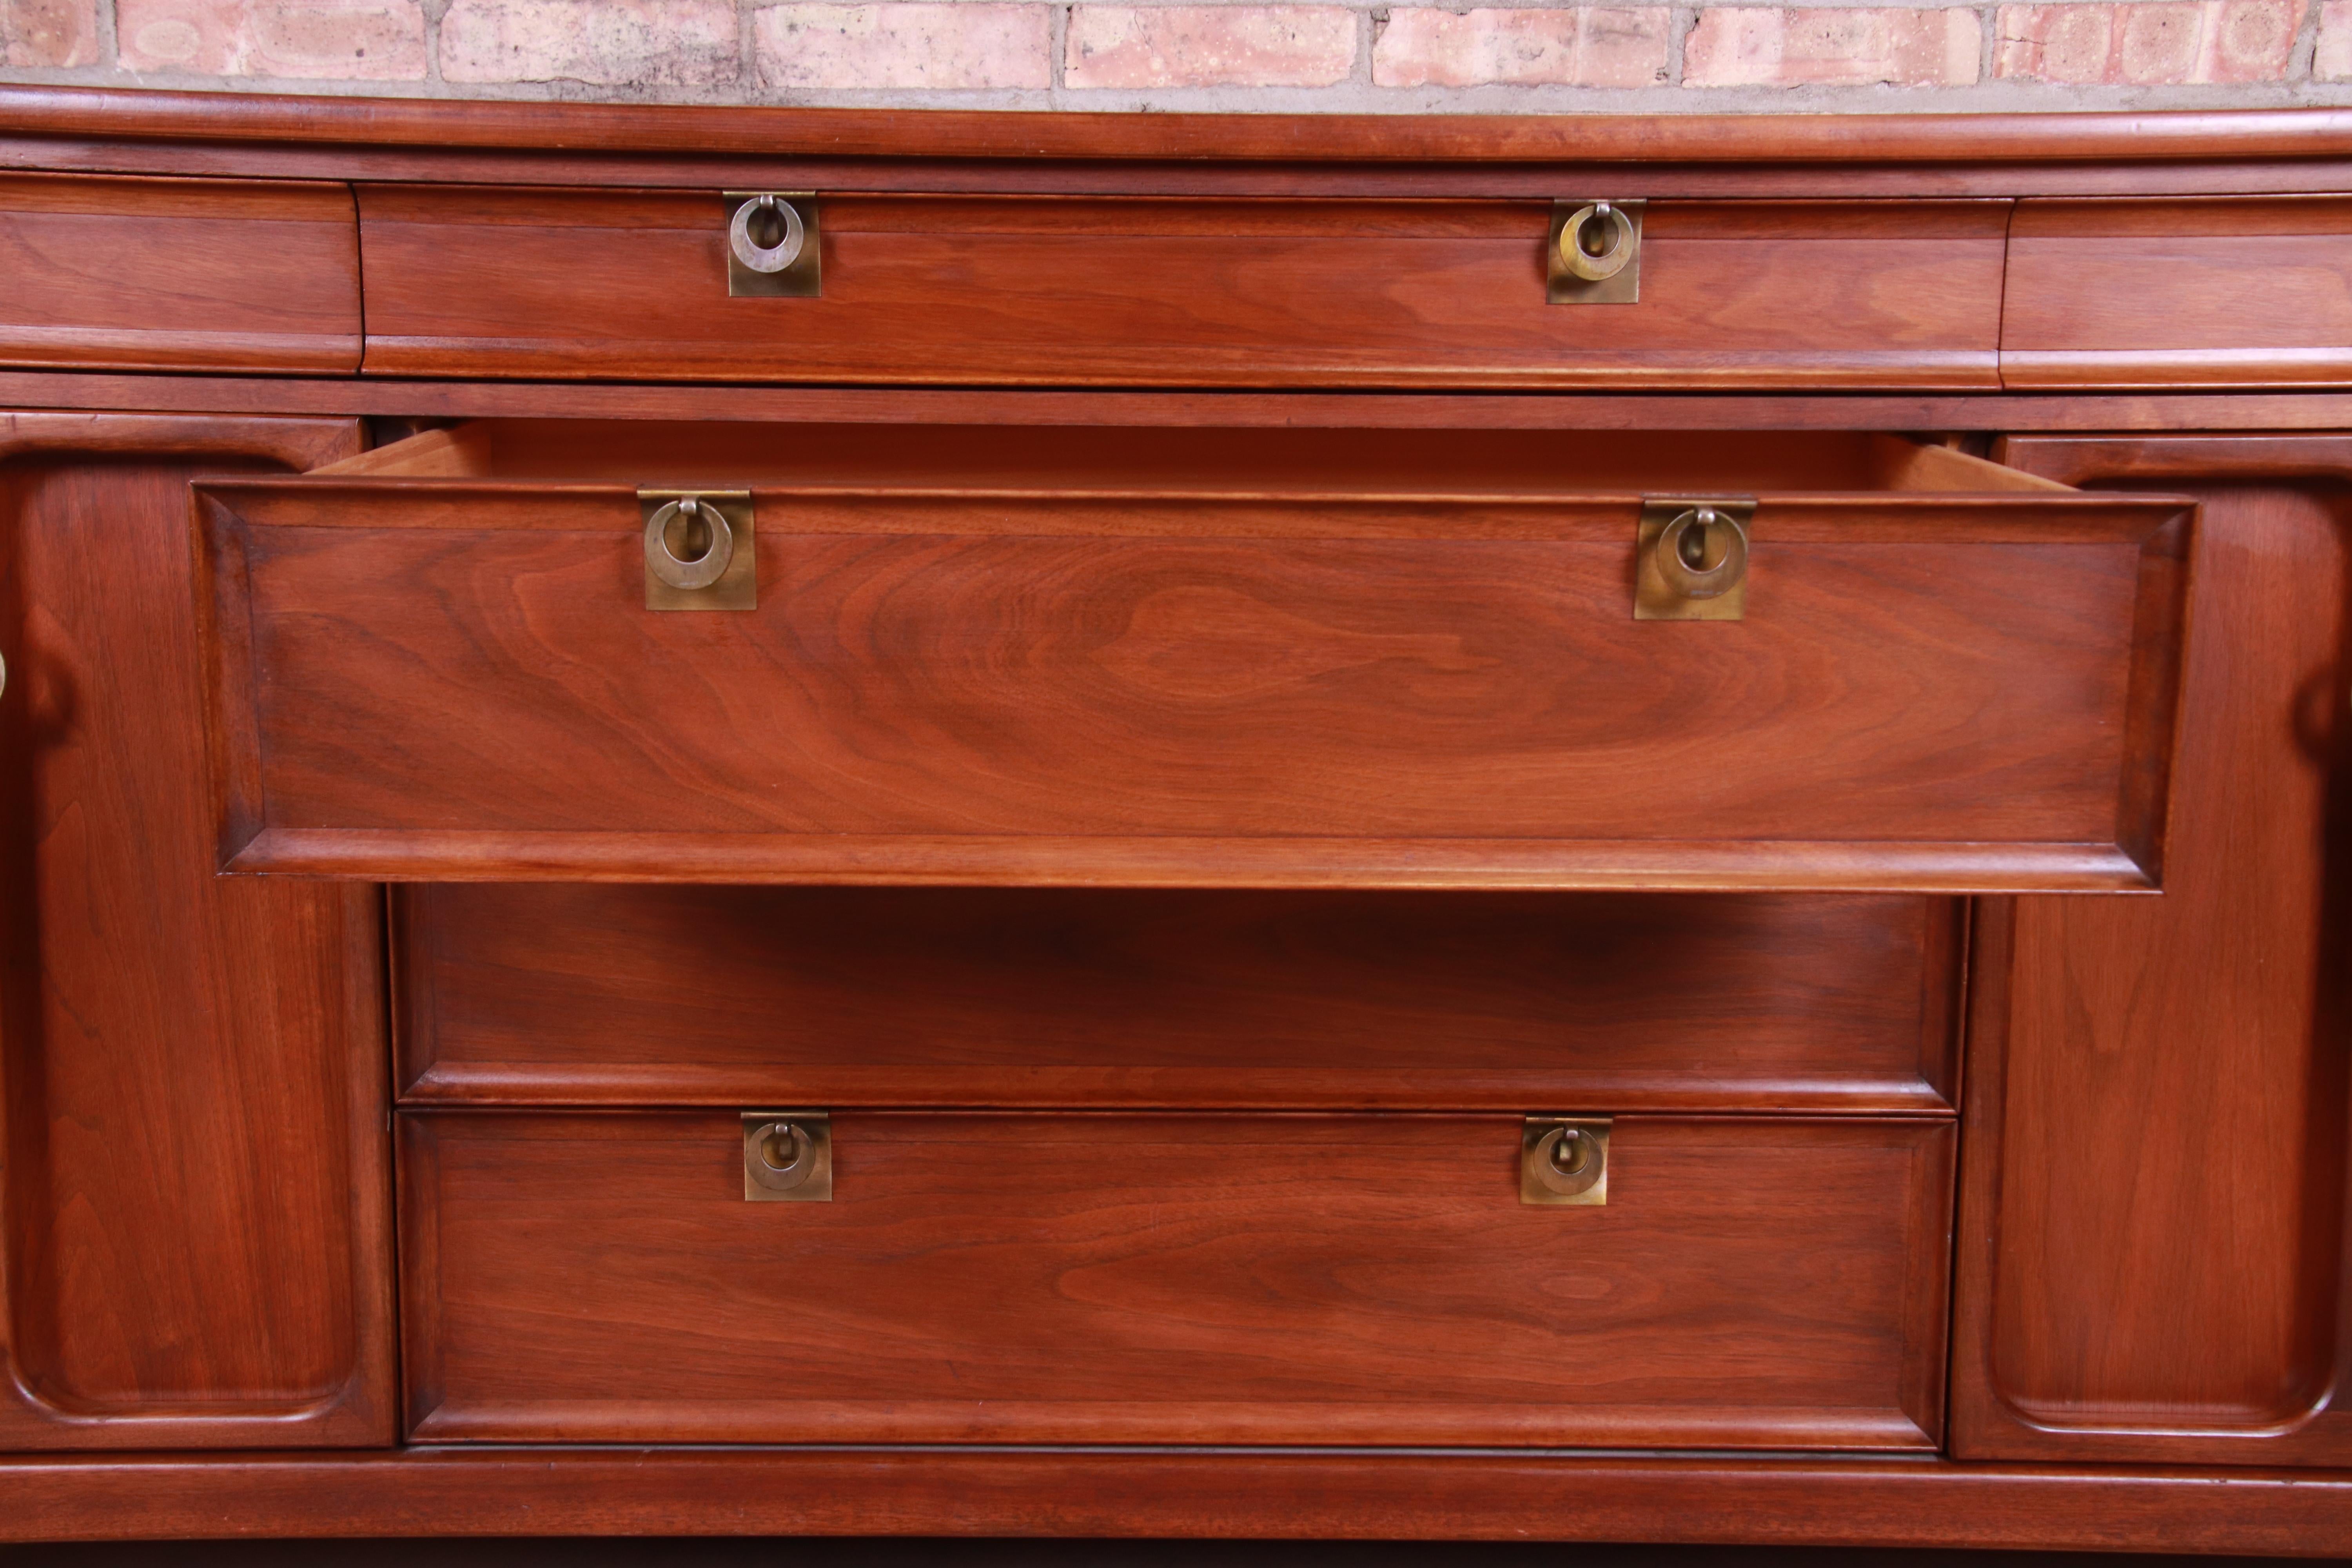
1471, 461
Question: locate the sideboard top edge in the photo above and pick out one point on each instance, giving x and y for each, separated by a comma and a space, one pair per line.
782, 131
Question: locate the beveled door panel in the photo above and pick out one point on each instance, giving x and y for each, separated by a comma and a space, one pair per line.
193, 1157
2154, 1263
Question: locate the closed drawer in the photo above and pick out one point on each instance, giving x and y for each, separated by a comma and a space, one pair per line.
2226, 293
1177, 1278
1132, 291
1312, 682
136, 274
909, 997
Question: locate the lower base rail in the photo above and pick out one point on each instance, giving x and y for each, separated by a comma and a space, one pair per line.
1209, 1493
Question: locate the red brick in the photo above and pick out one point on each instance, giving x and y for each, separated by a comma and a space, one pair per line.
1210, 46
2148, 42
1760, 46
2334, 60
605, 43
969, 45
317, 40
1584, 47
48, 33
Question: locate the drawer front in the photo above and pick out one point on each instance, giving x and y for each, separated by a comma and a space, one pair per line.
553, 992
1023, 291
1200, 1278
423, 680
2224, 293
136, 274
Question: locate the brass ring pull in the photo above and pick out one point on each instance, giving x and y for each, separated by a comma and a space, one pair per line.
782, 1156
1565, 1162
705, 569
1690, 579
1612, 258
766, 258
787, 1157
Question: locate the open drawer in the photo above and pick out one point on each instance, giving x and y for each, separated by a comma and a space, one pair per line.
1191, 657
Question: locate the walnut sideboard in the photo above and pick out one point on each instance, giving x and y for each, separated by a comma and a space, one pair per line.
816, 822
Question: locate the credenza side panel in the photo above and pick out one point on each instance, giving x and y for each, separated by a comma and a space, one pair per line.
2151, 1253
195, 1153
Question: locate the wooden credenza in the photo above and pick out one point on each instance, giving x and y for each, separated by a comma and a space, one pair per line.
808, 822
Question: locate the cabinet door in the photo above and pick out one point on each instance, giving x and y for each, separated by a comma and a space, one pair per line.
2152, 1253
192, 1157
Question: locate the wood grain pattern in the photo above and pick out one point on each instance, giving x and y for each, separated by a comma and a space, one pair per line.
448, 679
118, 274
2115, 1303
560, 994
2122, 293
1158, 1493
196, 1182
1046, 290
985, 1277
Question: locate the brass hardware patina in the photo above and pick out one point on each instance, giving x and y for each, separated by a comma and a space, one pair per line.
1691, 559
771, 245
699, 552
787, 1157
1593, 256
1564, 1160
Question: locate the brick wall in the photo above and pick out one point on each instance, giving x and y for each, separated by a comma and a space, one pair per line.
1229, 55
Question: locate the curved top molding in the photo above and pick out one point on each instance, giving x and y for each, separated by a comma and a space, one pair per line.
2175, 136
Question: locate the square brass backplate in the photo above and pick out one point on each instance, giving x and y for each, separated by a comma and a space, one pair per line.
737, 587
1562, 283
804, 278
1564, 1160
1660, 592
787, 1157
